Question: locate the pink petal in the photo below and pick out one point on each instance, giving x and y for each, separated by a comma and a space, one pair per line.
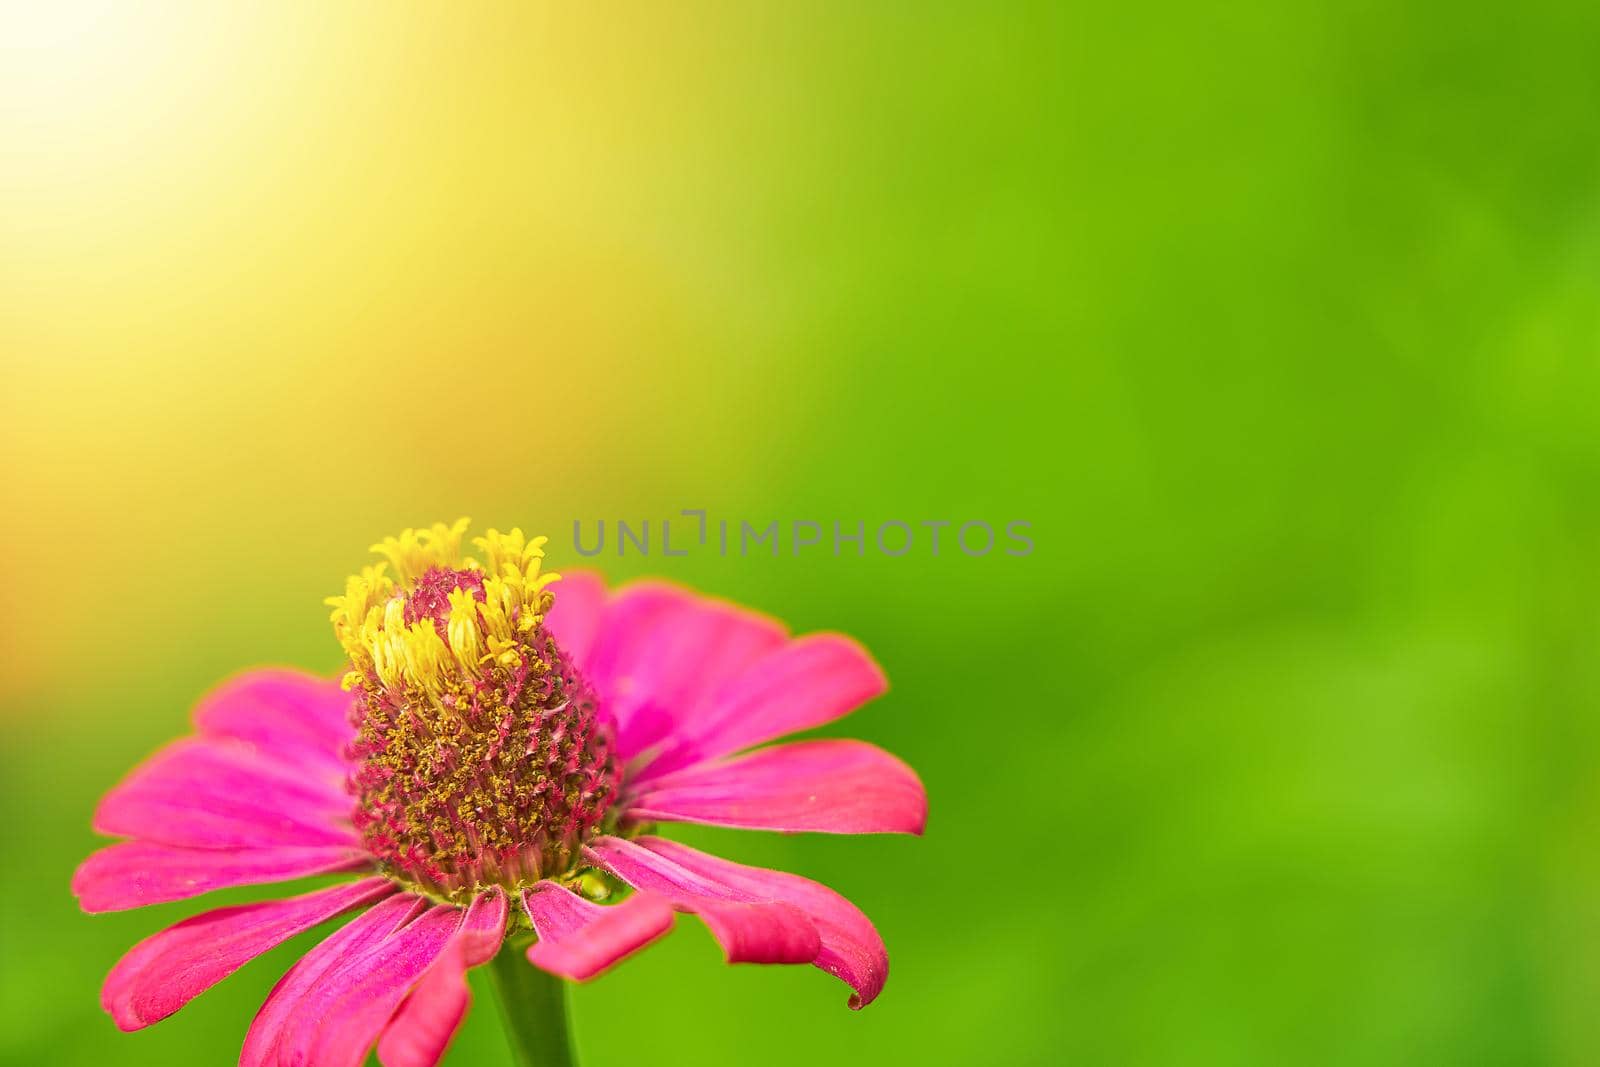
330, 1010
703, 649
635, 614
421, 1030
842, 787
851, 949
578, 938
295, 717
135, 873
750, 929
809, 681
661, 651
165, 971
575, 618
281, 1010
371, 988
206, 793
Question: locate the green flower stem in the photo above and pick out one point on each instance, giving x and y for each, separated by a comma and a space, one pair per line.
534, 1007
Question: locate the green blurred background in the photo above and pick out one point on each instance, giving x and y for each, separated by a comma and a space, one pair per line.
1278, 322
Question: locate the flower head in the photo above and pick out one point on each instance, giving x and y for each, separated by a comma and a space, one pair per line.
482, 756
494, 759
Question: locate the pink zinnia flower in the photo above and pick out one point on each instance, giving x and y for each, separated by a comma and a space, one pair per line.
492, 766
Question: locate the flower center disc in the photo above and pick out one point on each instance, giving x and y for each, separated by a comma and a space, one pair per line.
483, 756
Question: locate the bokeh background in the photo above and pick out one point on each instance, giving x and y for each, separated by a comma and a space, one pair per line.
1278, 321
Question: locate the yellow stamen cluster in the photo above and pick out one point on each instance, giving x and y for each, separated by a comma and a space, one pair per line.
370, 618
